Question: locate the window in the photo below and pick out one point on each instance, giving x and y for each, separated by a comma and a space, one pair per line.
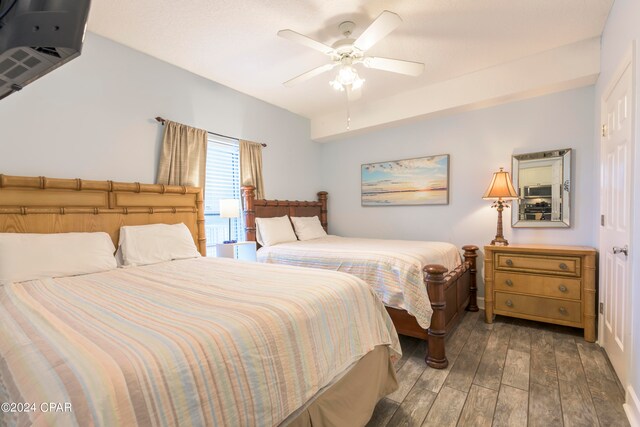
222, 182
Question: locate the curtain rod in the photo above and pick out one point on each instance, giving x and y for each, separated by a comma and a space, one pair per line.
161, 120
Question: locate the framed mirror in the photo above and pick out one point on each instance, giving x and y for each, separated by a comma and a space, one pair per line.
543, 183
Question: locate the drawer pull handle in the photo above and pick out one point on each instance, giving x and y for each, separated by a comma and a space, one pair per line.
509, 262
563, 266
508, 282
562, 288
509, 303
562, 310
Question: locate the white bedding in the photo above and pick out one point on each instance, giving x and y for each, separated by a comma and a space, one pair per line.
393, 268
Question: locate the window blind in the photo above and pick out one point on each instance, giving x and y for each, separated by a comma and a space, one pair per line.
222, 182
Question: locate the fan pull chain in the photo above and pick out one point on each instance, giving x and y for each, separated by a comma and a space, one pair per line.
348, 113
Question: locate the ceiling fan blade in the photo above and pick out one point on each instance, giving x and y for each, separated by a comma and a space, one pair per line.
309, 74
305, 41
394, 65
383, 25
353, 94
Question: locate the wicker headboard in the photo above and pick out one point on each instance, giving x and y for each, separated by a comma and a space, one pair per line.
259, 208
50, 205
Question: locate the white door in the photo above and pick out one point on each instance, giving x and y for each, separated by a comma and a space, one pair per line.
615, 231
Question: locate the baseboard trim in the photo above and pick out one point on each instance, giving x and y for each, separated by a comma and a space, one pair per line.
480, 303
632, 407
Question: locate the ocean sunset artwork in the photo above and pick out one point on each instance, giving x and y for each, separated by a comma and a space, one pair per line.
421, 181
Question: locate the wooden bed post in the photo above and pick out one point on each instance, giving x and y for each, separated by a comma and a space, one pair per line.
322, 198
470, 255
436, 333
248, 198
202, 240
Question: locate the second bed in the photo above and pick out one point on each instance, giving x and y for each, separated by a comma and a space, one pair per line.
426, 286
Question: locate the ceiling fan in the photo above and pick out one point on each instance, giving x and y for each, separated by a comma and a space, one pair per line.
348, 52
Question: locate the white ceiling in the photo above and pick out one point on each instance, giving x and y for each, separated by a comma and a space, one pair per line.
234, 42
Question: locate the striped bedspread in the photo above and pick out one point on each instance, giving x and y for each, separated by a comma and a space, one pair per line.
201, 342
393, 268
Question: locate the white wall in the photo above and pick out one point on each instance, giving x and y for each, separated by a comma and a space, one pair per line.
621, 31
479, 142
93, 119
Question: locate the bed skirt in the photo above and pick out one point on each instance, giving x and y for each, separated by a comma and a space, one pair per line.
351, 400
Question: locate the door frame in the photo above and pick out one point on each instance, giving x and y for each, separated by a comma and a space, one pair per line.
628, 60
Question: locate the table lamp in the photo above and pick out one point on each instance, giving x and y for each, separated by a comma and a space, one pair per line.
229, 208
501, 189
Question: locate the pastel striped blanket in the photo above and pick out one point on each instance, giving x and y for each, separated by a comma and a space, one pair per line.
212, 342
393, 268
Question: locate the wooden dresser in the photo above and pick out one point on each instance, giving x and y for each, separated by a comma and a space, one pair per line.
555, 284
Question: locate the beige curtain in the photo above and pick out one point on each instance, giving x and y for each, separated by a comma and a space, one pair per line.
183, 156
251, 166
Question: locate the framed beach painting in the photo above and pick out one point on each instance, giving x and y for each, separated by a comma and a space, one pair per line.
420, 181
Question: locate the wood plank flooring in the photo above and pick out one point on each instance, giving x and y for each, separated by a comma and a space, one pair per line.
510, 373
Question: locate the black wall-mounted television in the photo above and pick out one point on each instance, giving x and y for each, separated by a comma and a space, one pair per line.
38, 36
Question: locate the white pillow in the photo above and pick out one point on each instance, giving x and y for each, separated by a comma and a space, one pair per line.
308, 227
275, 230
26, 256
154, 243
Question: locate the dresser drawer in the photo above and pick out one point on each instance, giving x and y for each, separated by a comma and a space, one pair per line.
557, 287
558, 265
541, 308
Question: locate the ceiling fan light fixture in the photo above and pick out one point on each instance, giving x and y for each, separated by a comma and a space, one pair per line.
347, 76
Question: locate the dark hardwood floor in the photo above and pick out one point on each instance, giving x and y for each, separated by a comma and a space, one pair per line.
510, 373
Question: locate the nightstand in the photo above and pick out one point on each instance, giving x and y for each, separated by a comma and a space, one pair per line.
554, 284
245, 251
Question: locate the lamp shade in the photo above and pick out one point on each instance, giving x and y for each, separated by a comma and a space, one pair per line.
229, 208
500, 187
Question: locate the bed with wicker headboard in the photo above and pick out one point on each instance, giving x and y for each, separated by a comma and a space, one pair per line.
450, 292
